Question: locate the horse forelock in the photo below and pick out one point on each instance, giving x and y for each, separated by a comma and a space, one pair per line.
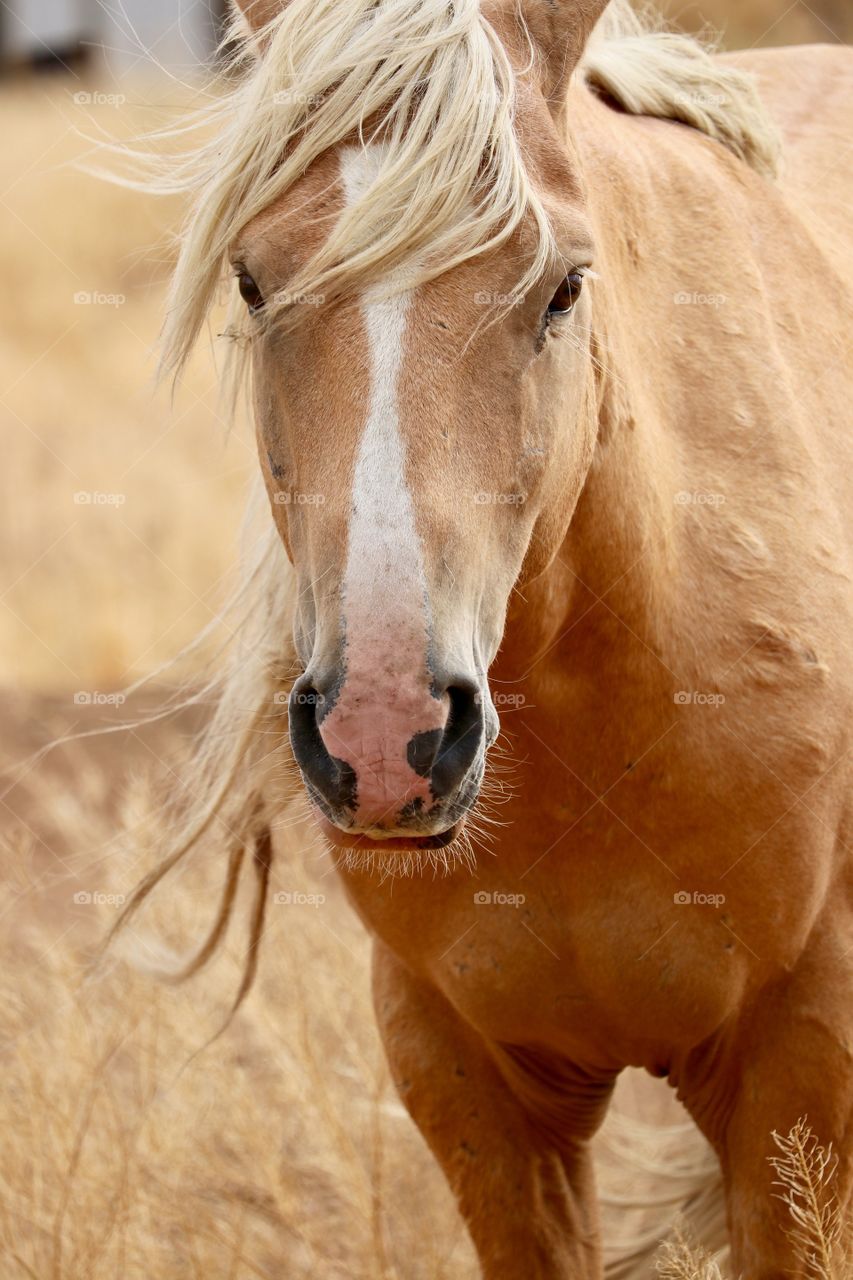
439, 87
452, 182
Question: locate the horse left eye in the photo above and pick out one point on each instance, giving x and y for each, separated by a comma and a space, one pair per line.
567, 294
249, 292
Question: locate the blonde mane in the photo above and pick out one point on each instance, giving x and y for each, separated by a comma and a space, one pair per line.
650, 71
451, 184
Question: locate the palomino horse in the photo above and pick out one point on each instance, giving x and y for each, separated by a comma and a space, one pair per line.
550, 365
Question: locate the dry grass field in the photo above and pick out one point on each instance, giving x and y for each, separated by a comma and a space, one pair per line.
118, 515
747, 23
131, 1147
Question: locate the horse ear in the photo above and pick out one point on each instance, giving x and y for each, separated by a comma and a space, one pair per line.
560, 31
257, 13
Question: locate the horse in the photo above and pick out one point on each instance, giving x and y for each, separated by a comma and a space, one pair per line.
546, 314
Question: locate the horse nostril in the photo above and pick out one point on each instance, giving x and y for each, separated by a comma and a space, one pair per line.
422, 751
327, 777
461, 741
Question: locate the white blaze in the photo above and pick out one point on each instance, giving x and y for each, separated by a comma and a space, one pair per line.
386, 696
384, 553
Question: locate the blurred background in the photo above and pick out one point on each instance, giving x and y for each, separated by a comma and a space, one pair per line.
120, 505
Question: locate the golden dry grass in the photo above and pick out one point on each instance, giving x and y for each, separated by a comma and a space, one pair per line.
745, 23
277, 1150
97, 593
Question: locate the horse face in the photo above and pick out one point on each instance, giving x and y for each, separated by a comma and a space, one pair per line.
423, 449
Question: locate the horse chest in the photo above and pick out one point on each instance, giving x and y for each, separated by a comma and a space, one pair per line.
600, 975
621, 922
610, 976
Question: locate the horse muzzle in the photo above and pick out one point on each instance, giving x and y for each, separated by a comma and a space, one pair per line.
404, 768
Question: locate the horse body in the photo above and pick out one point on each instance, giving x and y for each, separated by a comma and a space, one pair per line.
683, 668
655, 576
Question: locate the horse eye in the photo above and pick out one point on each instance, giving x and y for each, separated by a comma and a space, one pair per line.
567, 294
249, 292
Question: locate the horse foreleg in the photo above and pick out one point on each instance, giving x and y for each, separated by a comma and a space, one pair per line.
527, 1198
788, 1060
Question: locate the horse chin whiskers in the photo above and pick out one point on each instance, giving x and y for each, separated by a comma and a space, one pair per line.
396, 864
